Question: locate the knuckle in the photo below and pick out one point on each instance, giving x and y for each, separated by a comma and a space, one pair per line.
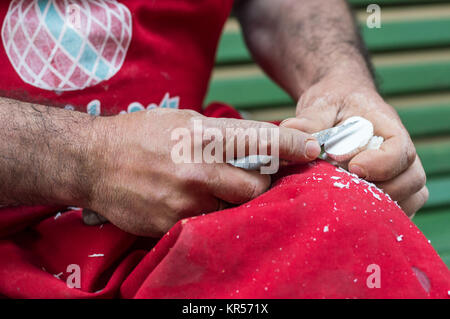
179, 207
291, 144
192, 177
425, 195
259, 186
411, 154
250, 190
191, 113
422, 177
384, 174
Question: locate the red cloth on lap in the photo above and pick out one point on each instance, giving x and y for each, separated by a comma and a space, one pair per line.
304, 238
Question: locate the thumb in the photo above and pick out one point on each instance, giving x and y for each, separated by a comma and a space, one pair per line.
312, 119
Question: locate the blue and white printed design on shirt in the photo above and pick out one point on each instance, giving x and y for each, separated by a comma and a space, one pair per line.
94, 107
63, 45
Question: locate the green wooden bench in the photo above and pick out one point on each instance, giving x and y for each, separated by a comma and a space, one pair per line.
411, 54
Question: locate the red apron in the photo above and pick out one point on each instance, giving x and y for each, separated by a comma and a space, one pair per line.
304, 238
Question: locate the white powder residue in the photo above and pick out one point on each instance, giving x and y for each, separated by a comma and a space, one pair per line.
325, 229
341, 170
373, 193
340, 185
58, 275
355, 180
399, 238
375, 143
335, 177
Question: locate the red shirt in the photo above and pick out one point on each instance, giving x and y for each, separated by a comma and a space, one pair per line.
108, 56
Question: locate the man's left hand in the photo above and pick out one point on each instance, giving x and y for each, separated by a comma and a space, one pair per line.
395, 166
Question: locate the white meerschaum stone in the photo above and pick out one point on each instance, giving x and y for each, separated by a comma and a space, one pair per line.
251, 162
375, 143
351, 141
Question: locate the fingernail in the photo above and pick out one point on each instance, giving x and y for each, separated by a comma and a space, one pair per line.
312, 149
355, 169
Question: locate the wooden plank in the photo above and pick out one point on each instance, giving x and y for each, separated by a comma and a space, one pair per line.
405, 102
420, 121
426, 120
408, 35
439, 192
435, 225
412, 100
435, 157
232, 49
255, 90
401, 79
360, 3
425, 11
394, 35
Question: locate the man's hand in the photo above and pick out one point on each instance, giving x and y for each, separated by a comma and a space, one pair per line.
143, 191
121, 166
395, 167
321, 61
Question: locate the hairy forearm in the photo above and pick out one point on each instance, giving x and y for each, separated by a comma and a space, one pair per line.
44, 154
298, 42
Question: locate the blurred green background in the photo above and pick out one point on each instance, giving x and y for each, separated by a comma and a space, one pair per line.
411, 54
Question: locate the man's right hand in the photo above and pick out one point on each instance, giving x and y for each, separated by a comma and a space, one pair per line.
140, 189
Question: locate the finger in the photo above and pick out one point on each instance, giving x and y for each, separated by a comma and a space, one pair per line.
393, 157
411, 205
297, 146
312, 119
235, 185
193, 205
409, 182
253, 138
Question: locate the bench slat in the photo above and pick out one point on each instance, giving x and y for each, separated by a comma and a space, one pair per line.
426, 77
439, 192
427, 120
435, 225
394, 35
360, 3
255, 91
408, 35
435, 157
